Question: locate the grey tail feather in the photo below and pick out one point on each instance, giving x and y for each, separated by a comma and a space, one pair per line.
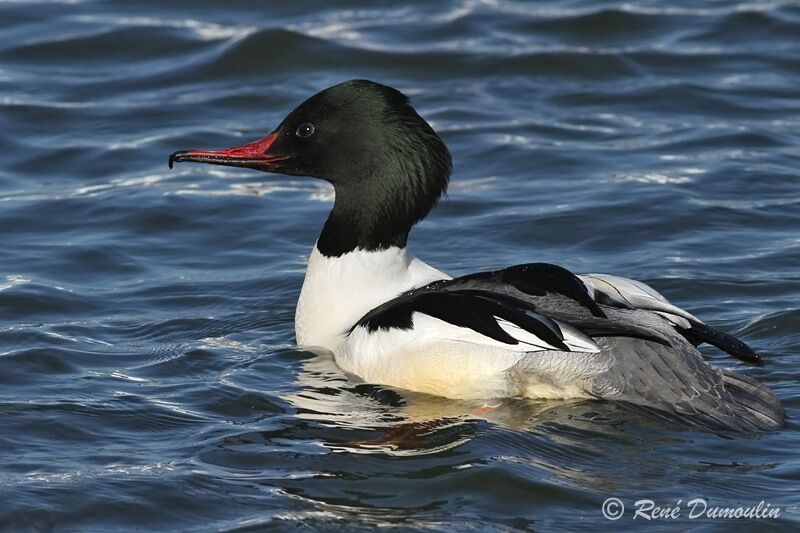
756, 403
675, 384
756, 409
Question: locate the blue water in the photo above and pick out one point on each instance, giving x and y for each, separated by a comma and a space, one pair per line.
149, 377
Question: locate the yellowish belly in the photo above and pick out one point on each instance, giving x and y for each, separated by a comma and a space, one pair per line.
456, 370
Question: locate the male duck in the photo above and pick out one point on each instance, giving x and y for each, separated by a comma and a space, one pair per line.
534, 330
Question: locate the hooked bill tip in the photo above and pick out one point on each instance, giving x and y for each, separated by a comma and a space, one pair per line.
173, 157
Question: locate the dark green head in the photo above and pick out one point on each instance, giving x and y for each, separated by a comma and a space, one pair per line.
386, 163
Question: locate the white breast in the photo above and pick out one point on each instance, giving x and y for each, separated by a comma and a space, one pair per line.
338, 291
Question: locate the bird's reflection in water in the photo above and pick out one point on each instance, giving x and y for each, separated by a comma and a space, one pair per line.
332, 417
408, 423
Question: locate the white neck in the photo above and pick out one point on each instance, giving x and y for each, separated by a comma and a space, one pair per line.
338, 291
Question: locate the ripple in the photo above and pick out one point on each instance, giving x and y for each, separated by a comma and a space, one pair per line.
653, 177
109, 46
32, 300
12, 281
146, 315
207, 31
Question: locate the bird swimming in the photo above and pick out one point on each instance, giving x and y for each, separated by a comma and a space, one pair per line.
533, 330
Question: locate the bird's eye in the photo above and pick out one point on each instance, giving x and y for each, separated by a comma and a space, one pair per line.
304, 130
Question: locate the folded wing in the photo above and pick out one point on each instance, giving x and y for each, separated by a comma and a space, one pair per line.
538, 305
626, 293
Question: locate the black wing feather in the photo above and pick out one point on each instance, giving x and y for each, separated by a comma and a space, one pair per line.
473, 309
536, 279
541, 278
727, 343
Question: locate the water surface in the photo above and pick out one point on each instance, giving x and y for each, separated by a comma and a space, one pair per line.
146, 316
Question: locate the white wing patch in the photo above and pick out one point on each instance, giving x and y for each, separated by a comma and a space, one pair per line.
430, 329
574, 339
365, 349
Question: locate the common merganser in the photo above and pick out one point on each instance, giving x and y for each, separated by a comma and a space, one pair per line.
534, 330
